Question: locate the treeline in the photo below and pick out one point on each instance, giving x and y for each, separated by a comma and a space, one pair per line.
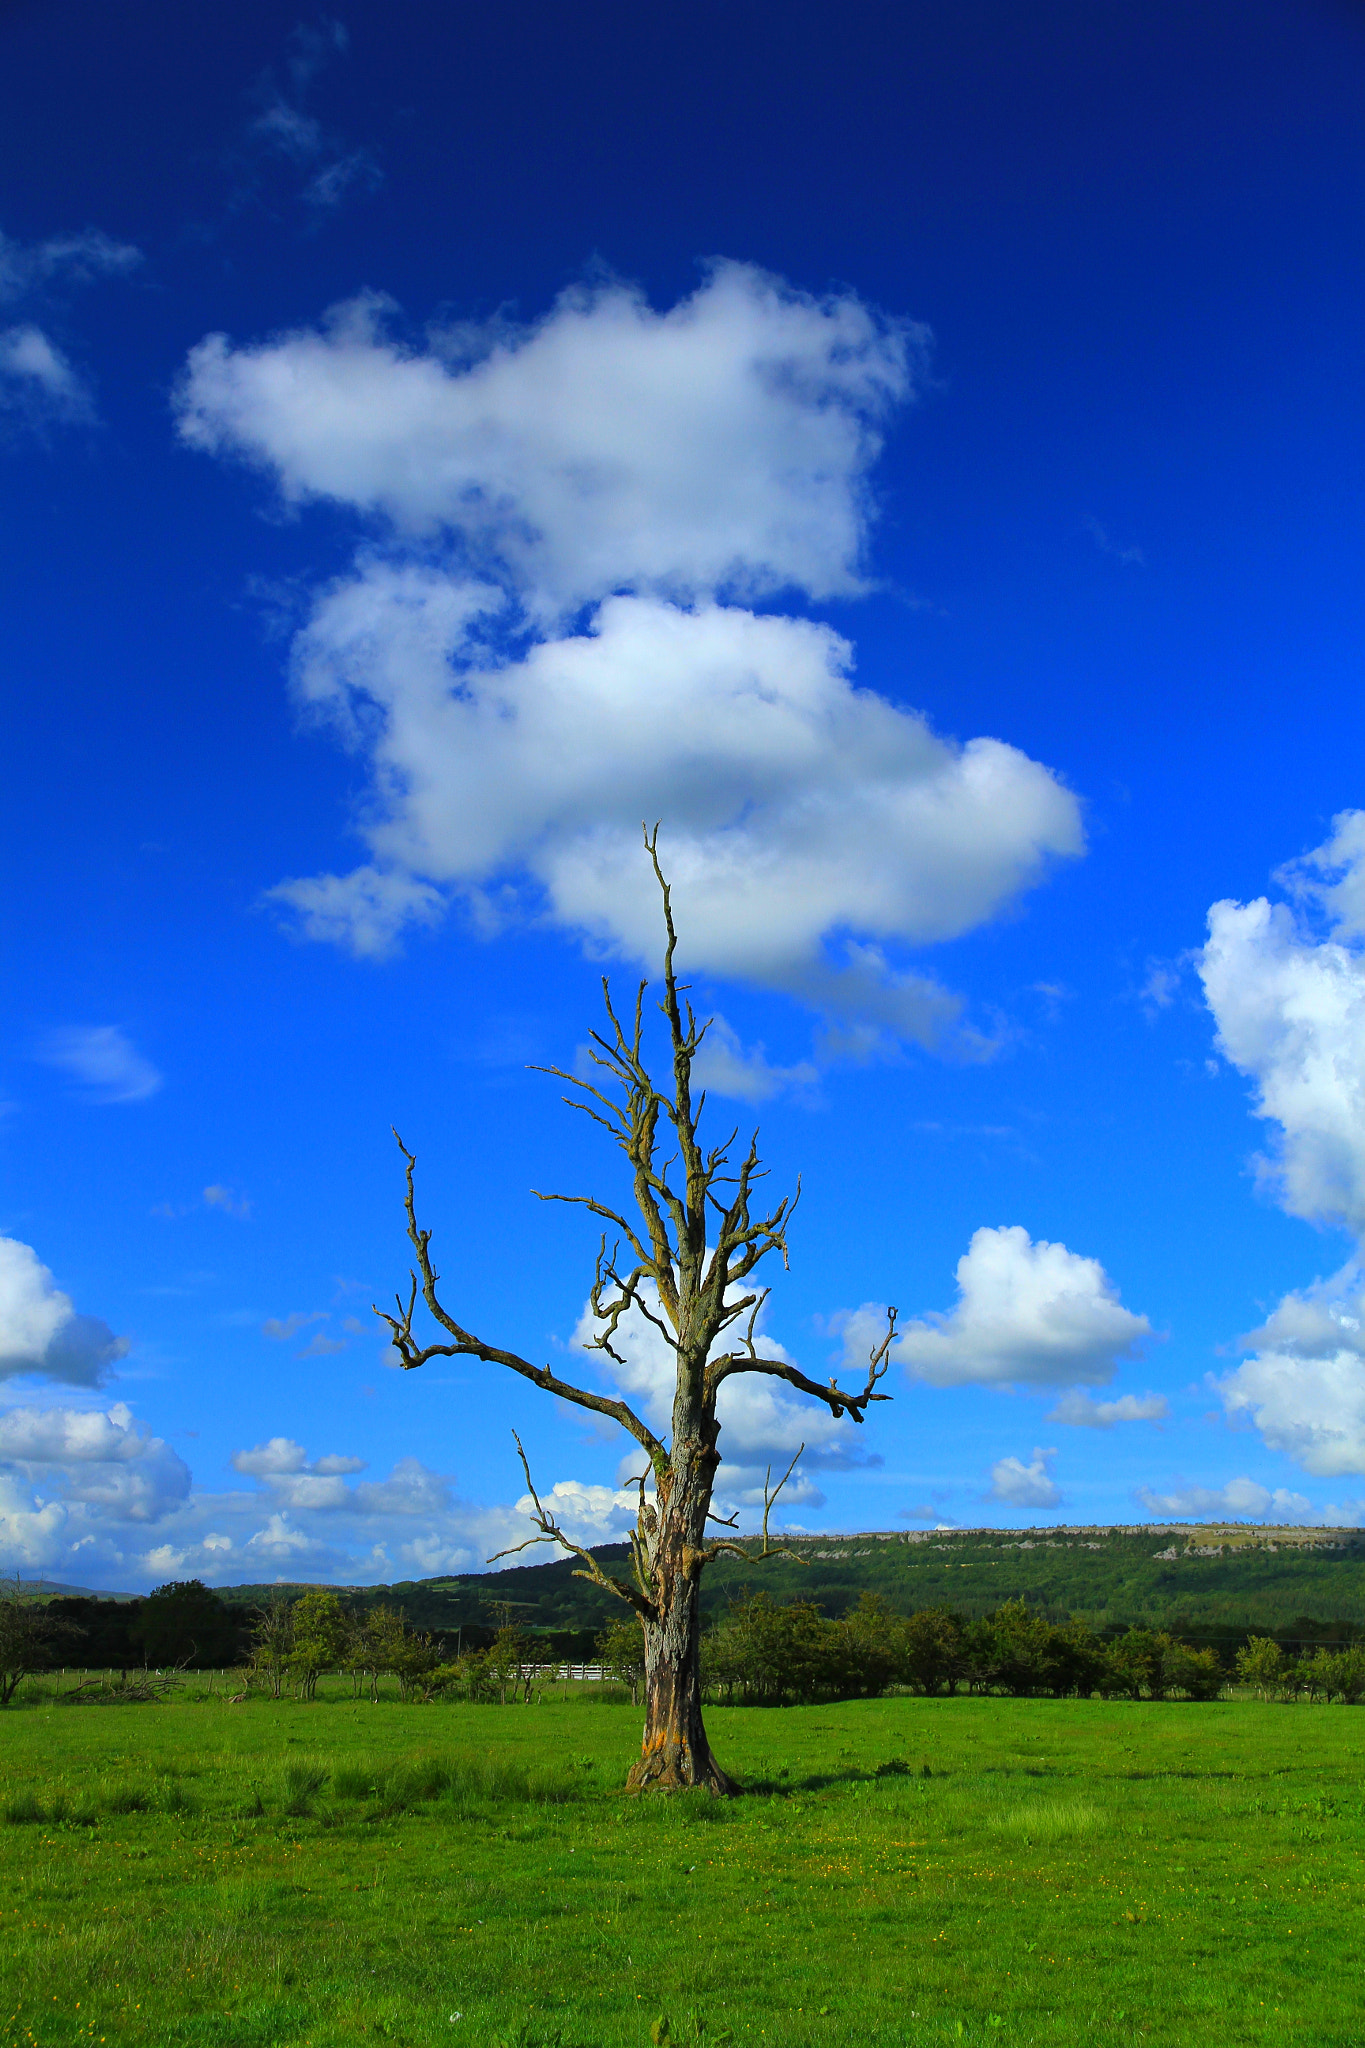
765, 1654
282, 1646
295, 1642
187, 1626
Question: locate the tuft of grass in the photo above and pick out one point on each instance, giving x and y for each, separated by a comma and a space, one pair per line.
303, 1780
1050, 1820
125, 1798
172, 1796
25, 1808
353, 1781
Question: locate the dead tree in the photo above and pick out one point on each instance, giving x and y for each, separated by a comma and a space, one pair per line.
694, 1245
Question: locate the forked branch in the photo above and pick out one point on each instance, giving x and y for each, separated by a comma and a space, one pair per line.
839, 1400
465, 1344
770, 1493
550, 1532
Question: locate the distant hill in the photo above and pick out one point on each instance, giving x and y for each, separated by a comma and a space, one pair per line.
52, 1589
1205, 1579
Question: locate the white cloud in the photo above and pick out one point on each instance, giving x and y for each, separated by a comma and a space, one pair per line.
106, 1063
658, 472
81, 1489
1304, 1385
1083, 1411
1025, 1486
226, 1199
366, 911
38, 380
40, 1331
104, 1467
281, 1455
1027, 1313
797, 806
1241, 1500
588, 1514
581, 454
1289, 1005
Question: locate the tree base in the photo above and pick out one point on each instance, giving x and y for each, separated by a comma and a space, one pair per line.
662, 1772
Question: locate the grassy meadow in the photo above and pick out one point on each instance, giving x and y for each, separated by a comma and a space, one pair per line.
904, 1871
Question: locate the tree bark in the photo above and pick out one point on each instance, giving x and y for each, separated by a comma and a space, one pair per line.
674, 1750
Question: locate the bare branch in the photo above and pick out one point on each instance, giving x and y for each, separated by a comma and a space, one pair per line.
411, 1354
550, 1532
609, 1215
770, 1493
839, 1400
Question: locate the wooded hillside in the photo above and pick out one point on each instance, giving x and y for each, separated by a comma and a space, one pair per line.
1201, 1578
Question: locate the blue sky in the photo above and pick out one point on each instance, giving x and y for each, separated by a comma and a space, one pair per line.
917, 456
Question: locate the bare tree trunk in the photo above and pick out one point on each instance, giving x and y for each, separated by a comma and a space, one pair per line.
692, 1251
674, 1750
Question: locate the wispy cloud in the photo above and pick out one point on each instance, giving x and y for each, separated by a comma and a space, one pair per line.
1131, 557
229, 1201
38, 382
281, 1328
74, 259
1082, 1411
284, 128
104, 1062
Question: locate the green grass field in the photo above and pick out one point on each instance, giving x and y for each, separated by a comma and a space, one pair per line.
904, 1870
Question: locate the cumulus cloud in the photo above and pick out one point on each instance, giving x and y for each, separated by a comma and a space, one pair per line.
1083, 1411
94, 1496
103, 1060
1030, 1314
645, 478
40, 1331
1304, 1385
1241, 1500
581, 454
1025, 1486
104, 1468
1286, 986
280, 1455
